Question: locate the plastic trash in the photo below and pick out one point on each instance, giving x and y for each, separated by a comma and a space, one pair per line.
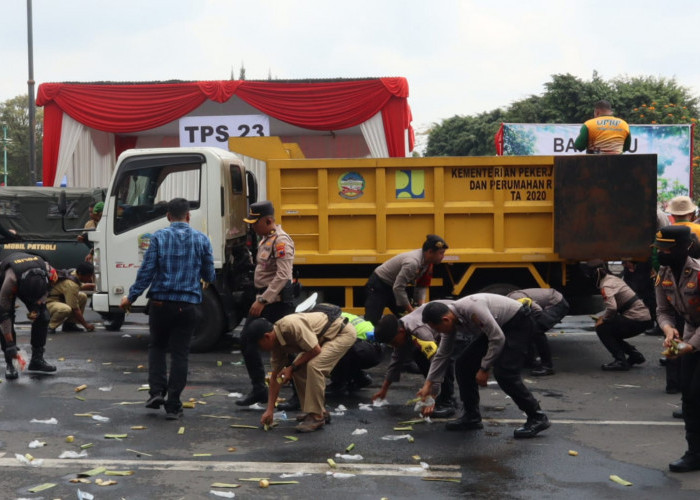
349, 457
337, 413
19, 362
339, 475
279, 415
429, 401
235, 395
223, 494
257, 406
341, 408
378, 403
84, 495
359, 432
100, 418
50, 421
365, 407
296, 474
397, 437
105, 389
34, 462
36, 444
73, 454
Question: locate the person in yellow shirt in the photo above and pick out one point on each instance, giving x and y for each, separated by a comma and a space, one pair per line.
683, 210
604, 133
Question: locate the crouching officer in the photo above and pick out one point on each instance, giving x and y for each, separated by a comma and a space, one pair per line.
678, 291
273, 287
25, 276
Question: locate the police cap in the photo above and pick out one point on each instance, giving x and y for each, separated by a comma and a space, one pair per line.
259, 210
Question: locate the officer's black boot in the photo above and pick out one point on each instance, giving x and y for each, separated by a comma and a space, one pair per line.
257, 395
469, 421
634, 357
10, 372
38, 363
690, 461
536, 423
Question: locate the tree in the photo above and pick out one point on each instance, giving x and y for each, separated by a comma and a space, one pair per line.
14, 113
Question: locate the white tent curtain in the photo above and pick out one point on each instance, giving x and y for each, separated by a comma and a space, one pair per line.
373, 132
81, 147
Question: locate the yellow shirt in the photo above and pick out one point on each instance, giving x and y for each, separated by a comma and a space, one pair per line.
607, 134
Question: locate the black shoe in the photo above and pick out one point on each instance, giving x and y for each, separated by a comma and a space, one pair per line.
155, 402
173, 414
40, 365
336, 389
257, 395
11, 372
534, 425
616, 366
636, 358
71, 327
663, 361
677, 413
542, 371
688, 462
465, 423
443, 412
292, 404
360, 381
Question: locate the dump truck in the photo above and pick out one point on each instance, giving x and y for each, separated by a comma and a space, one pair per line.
510, 222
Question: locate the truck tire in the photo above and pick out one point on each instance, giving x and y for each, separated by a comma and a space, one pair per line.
210, 329
500, 288
113, 321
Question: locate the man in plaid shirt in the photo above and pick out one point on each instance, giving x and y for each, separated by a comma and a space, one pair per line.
176, 260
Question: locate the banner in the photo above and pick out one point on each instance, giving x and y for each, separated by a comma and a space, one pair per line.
215, 130
672, 144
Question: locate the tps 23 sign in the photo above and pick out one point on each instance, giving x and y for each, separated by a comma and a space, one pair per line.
216, 130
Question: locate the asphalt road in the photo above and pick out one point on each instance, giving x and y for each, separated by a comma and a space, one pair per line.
618, 423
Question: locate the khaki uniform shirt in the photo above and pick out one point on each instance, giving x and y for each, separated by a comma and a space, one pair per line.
616, 293
299, 332
402, 270
65, 291
273, 269
682, 297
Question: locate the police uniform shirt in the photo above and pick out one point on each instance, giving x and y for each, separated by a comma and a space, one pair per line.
616, 293
478, 314
401, 271
414, 326
273, 269
300, 332
682, 297
543, 297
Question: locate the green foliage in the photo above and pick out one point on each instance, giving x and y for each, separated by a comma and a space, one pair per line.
666, 191
15, 114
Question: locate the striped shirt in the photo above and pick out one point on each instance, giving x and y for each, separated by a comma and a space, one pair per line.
177, 258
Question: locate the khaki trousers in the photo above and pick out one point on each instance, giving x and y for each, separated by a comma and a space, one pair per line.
310, 379
61, 312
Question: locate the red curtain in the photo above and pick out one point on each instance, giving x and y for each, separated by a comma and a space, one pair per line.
124, 109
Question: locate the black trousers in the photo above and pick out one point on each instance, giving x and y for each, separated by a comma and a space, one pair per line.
171, 325
613, 332
506, 369
378, 296
39, 332
251, 353
545, 321
361, 356
690, 387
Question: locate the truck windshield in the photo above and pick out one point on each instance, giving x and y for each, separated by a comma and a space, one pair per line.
142, 194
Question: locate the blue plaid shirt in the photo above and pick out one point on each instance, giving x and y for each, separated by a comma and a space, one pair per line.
177, 257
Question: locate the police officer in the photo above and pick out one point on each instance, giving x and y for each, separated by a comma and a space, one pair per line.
273, 287
548, 308
625, 316
678, 291
25, 276
387, 285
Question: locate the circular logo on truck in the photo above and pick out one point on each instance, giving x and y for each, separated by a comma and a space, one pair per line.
351, 185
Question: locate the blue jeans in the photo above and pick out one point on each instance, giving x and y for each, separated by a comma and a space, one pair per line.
172, 325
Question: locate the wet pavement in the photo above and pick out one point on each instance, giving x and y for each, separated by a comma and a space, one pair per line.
617, 423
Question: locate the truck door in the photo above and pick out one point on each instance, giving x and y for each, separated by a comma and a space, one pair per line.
142, 187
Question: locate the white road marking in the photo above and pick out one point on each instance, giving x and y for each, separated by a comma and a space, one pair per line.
670, 423
257, 468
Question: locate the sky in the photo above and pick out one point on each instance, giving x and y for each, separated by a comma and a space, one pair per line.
459, 57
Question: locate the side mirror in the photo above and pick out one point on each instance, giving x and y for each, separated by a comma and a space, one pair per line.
62, 204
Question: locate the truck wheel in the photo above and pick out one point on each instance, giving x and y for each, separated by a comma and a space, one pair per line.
499, 288
113, 321
207, 334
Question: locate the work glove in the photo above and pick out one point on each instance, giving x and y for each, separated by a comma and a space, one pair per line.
427, 347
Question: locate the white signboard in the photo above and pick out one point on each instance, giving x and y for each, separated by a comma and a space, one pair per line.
215, 130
